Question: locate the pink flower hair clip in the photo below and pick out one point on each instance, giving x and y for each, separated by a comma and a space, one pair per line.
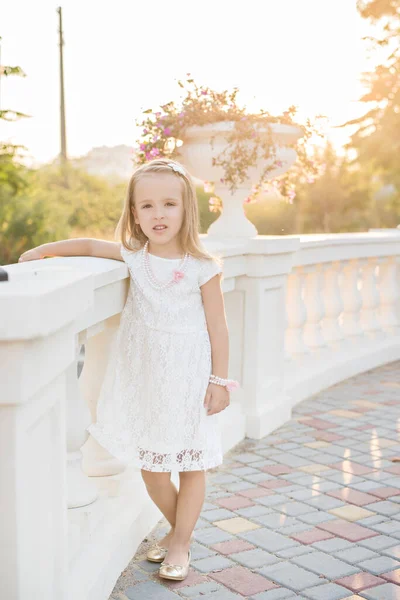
178, 275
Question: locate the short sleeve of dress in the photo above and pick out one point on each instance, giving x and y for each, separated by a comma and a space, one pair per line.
126, 254
208, 269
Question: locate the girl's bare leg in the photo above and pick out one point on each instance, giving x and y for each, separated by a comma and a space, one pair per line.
190, 501
164, 495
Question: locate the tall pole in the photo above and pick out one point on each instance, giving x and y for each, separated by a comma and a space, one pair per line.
63, 153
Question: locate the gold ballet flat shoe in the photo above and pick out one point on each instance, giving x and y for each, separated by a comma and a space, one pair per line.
156, 553
175, 572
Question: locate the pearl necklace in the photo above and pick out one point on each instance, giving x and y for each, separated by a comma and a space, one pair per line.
150, 275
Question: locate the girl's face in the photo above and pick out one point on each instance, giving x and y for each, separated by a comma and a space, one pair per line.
159, 206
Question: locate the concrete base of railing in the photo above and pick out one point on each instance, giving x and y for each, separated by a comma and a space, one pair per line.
304, 379
104, 536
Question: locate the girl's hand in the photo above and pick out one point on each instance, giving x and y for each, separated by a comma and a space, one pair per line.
217, 399
33, 254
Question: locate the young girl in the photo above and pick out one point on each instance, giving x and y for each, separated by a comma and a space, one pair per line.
167, 375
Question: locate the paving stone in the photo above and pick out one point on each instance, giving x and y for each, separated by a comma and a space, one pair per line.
366, 486
148, 566
209, 506
387, 591
234, 502
255, 558
384, 508
258, 477
255, 492
254, 511
236, 525
316, 517
371, 521
327, 486
231, 547
300, 527
221, 594
276, 520
333, 545
352, 496
351, 513
150, 589
212, 535
243, 471
392, 576
328, 591
391, 527
325, 565
295, 509
355, 555
243, 581
217, 514
360, 582
344, 478
268, 540
271, 500
310, 536
276, 483
378, 543
277, 594
379, 565
212, 563
237, 487
393, 552
277, 470
349, 531
246, 458
324, 502
291, 552
222, 478
198, 551
291, 576
303, 493
200, 589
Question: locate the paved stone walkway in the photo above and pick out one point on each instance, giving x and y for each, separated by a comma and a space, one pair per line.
312, 511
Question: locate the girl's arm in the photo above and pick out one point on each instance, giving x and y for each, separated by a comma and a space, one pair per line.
217, 397
74, 247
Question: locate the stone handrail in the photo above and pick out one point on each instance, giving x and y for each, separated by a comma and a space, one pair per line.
303, 313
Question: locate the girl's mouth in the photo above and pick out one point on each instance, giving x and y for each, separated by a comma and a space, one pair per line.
159, 227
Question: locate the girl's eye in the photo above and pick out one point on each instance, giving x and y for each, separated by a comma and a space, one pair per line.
170, 203
146, 206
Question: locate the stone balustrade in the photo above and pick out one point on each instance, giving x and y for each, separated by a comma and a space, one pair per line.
303, 313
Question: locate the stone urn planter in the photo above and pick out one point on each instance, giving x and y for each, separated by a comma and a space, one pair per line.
202, 143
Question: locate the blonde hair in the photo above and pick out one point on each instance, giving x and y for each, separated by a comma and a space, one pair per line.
131, 235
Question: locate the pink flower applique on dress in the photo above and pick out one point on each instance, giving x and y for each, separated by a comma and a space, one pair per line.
178, 275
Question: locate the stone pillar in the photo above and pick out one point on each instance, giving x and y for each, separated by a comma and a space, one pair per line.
264, 286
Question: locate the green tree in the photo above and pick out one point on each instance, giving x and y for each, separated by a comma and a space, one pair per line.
377, 138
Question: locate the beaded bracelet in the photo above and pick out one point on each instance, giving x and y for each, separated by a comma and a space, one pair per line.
229, 384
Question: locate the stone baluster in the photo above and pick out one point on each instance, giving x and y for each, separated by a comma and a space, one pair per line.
333, 303
370, 298
295, 315
97, 461
389, 291
81, 490
351, 298
313, 336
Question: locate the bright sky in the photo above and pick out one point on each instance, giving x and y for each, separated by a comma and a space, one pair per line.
126, 55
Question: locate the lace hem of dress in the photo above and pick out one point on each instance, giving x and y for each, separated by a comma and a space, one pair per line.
186, 460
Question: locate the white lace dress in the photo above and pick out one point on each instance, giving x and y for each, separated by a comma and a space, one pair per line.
150, 411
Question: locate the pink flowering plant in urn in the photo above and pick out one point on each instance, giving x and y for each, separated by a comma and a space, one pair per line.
234, 152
